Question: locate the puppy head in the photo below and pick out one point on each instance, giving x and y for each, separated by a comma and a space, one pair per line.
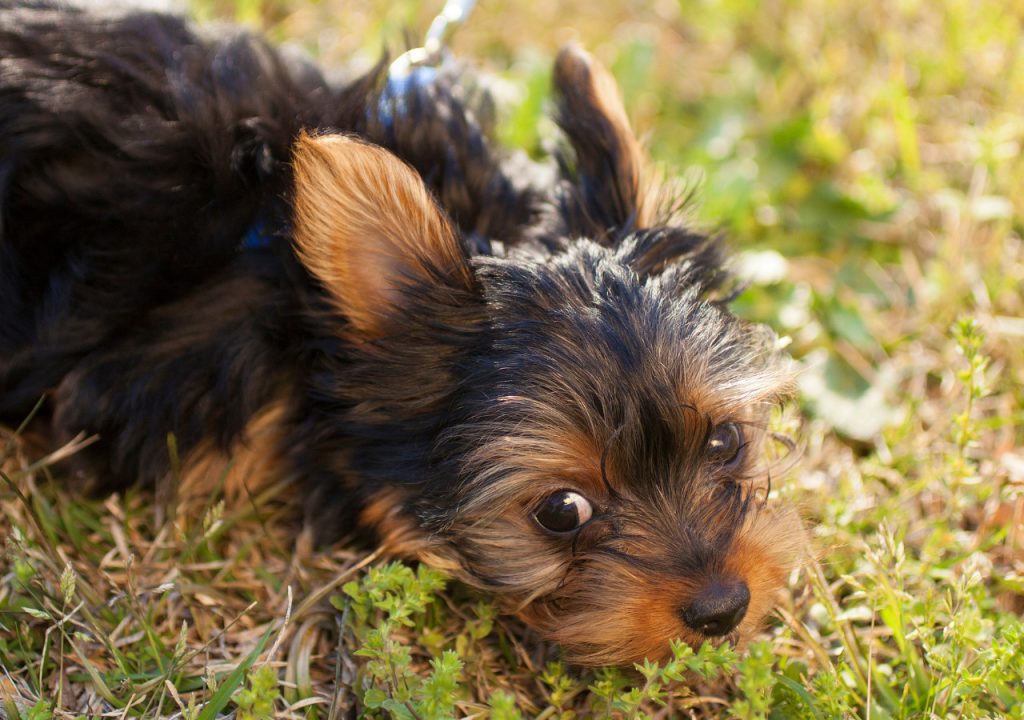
611, 481
579, 432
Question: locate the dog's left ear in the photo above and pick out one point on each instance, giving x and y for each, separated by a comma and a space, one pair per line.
368, 229
609, 162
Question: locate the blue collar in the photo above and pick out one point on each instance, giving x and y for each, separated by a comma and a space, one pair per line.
259, 235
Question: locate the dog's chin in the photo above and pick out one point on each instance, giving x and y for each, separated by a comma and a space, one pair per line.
605, 638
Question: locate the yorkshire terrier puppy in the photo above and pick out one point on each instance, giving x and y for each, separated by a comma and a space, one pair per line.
524, 374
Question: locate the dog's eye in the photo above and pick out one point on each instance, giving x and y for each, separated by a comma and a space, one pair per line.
563, 511
725, 444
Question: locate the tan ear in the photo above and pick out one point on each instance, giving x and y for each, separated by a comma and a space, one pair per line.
610, 161
368, 229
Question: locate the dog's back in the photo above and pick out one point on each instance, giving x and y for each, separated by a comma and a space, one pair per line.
134, 155
144, 177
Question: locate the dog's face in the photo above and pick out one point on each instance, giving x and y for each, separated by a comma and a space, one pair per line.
594, 418
611, 474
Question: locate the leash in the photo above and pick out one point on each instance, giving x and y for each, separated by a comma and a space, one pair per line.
418, 67
435, 46
412, 69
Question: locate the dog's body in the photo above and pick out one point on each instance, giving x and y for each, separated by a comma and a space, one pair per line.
527, 385
142, 172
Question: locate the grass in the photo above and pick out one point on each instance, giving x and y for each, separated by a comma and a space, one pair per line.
863, 157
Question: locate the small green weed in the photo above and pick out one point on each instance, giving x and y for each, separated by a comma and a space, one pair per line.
257, 699
388, 599
389, 611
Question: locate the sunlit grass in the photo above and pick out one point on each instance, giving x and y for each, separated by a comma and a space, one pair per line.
862, 156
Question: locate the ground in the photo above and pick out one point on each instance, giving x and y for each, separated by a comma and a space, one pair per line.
862, 156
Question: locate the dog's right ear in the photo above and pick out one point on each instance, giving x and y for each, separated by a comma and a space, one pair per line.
368, 229
609, 166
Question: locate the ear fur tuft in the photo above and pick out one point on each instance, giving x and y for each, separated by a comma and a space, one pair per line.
368, 229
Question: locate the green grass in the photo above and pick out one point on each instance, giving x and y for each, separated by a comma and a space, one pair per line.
862, 156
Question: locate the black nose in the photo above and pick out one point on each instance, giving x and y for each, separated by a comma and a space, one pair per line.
718, 608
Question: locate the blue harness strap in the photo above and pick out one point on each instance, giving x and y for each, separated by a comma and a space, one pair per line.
258, 235
392, 104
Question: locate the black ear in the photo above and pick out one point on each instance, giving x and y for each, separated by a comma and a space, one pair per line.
367, 228
610, 196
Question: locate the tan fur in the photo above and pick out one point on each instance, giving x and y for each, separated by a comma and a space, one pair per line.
253, 463
524, 571
398, 534
616, 614
771, 545
366, 226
